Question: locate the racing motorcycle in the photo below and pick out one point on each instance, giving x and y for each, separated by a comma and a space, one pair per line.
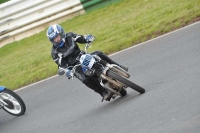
110, 76
11, 102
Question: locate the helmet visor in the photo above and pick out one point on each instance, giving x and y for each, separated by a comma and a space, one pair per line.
58, 41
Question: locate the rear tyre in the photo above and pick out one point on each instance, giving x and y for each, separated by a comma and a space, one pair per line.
125, 81
15, 105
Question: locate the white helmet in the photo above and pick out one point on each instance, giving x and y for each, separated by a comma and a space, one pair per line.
53, 31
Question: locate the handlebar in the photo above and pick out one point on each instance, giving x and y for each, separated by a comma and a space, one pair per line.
88, 44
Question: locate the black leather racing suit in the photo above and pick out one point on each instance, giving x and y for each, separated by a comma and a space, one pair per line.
70, 52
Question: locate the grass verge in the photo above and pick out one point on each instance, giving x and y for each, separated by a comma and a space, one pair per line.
117, 26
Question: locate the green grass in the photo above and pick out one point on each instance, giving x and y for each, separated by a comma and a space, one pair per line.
118, 26
3, 1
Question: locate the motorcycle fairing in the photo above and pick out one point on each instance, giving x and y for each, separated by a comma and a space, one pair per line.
87, 61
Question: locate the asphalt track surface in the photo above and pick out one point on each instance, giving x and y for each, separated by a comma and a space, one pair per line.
168, 67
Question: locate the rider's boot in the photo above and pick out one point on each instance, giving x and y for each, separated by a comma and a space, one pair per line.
123, 67
106, 96
109, 60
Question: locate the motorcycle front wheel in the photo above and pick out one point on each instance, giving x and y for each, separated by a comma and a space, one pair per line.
15, 105
125, 81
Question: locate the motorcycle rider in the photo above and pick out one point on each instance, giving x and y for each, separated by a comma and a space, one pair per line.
66, 45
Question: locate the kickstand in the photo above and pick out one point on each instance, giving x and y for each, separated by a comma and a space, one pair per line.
106, 99
102, 99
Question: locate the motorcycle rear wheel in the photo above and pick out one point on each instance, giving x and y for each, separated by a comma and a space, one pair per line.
15, 105
125, 81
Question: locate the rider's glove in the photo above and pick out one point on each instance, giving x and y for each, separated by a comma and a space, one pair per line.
89, 38
68, 73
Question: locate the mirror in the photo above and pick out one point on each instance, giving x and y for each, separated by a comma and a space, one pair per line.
61, 72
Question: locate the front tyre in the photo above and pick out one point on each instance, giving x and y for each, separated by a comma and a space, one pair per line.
15, 105
125, 81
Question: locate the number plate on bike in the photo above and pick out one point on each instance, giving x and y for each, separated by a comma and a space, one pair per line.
87, 61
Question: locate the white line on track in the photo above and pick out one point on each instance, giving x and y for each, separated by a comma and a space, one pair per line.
117, 52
